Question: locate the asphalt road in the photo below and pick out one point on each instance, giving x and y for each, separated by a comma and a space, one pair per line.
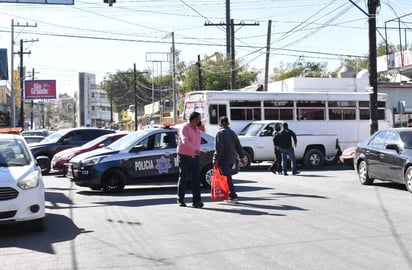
316, 220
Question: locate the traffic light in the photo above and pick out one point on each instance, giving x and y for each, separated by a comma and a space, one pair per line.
110, 2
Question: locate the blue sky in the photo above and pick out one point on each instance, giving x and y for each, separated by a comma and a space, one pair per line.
92, 37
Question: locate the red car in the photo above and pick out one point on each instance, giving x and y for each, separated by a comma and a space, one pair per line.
66, 155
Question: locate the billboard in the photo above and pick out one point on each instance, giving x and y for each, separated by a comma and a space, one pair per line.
40, 89
4, 71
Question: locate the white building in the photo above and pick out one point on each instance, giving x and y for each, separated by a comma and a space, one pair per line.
93, 106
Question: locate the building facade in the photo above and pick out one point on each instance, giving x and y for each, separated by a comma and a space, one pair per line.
93, 107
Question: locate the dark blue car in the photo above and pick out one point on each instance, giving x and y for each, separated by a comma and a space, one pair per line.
143, 156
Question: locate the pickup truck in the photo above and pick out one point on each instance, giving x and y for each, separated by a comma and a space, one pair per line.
313, 150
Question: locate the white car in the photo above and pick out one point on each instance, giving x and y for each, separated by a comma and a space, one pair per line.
21, 184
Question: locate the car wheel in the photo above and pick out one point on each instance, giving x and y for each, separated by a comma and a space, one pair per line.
113, 181
206, 174
408, 179
248, 161
44, 163
38, 225
363, 173
313, 159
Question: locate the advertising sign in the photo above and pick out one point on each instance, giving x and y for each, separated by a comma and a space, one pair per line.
40, 89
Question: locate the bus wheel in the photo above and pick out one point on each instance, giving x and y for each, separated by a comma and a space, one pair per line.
113, 181
313, 158
248, 161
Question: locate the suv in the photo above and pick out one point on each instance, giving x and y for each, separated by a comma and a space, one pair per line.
60, 140
146, 155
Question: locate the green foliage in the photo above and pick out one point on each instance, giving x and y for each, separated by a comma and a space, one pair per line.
216, 75
120, 89
300, 68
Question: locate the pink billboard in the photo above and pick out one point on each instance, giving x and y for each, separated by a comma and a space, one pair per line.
40, 89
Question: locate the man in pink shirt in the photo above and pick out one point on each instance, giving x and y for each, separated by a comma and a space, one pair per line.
188, 151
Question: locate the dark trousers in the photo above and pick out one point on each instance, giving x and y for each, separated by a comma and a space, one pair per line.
189, 165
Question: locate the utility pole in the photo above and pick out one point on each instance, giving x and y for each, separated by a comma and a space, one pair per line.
232, 47
21, 78
268, 55
232, 56
174, 79
228, 28
373, 73
199, 72
135, 96
13, 96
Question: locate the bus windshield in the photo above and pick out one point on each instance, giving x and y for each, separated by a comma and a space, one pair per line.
193, 107
251, 129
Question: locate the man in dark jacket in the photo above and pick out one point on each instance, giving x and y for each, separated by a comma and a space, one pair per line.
227, 150
283, 140
276, 167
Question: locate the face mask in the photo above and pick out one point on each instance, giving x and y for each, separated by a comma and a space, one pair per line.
277, 128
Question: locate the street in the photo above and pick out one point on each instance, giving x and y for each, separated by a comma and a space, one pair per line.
323, 219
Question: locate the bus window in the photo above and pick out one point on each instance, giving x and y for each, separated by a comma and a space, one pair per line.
364, 110
245, 110
342, 110
310, 110
215, 112
278, 110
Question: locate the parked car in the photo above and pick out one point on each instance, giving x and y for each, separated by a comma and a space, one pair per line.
142, 156
347, 156
387, 156
63, 139
66, 155
21, 185
33, 139
35, 132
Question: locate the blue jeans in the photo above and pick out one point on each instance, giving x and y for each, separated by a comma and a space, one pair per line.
189, 165
227, 171
291, 153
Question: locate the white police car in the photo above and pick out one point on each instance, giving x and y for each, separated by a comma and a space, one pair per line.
146, 155
21, 184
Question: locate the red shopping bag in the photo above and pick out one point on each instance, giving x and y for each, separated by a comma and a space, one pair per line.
219, 185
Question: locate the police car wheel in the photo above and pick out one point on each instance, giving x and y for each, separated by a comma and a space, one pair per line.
113, 181
205, 175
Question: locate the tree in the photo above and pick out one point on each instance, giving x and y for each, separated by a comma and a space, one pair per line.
120, 89
216, 75
300, 68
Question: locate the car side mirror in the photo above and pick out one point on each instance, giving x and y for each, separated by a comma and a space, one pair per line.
137, 148
392, 147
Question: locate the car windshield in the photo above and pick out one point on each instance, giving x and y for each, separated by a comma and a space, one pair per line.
251, 129
96, 141
406, 137
55, 136
126, 141
13, 152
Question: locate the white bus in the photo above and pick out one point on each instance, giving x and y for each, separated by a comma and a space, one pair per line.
345, 114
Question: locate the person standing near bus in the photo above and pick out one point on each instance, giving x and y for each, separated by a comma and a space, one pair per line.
277, 164
227, 150
285, 140
188, 151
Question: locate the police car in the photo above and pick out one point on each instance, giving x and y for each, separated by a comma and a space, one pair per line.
146, 155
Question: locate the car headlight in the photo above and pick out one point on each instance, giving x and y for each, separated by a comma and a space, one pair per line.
67, 157
92, 161
31, 181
